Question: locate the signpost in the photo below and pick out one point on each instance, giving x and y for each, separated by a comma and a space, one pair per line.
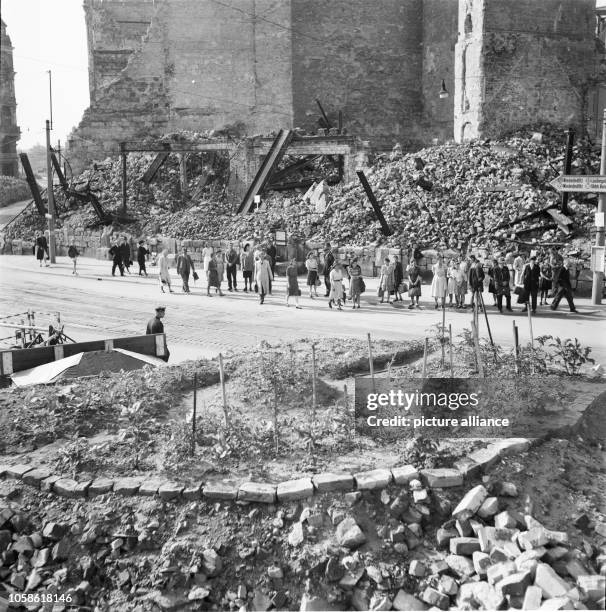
580, 183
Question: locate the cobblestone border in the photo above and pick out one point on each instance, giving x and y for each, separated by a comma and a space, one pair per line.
474, 464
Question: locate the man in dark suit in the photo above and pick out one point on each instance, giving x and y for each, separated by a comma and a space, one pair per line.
476, 281
530, 279
329, 262
563, 289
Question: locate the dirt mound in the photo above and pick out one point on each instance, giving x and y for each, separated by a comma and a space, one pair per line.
592, 425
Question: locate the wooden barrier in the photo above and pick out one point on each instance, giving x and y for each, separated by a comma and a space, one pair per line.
16, 360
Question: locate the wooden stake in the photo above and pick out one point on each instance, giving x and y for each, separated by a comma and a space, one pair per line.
194, 416
443, 332
314, 397
516, 348
425, 349
371, 363
450, 349
476, 341
222, 377
531, 334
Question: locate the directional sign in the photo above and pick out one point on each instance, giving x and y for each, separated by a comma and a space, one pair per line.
582, 183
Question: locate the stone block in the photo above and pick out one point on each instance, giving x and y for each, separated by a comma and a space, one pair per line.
404, 474
448, 586
461, 566
333, 482
47, 483
127, 486
170, 490
373, 479
349, 534
464, 546
471, 502
100, 486
3, 470
505, 520
257, 492
549, 582
532, 598
150, 487
489, 508
533, 538
515, 585
295, 489
18, 471
220, 491
481, 562
485, 457
417, 569
36, 476
495, 573
593, 586
439, 478
71, 488
479, 596
434, 598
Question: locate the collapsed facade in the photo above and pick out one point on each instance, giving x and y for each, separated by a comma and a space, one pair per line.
249, 67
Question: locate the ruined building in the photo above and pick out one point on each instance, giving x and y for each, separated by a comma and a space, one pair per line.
9, 131
157, 66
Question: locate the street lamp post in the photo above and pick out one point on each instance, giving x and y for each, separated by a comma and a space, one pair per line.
50, 215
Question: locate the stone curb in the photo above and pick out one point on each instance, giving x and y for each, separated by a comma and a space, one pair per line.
256, 492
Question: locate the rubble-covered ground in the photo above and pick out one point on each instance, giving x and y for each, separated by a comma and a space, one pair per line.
440, 196
532, 529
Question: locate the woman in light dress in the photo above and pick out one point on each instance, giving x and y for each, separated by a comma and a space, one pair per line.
439, 282
207, 252
263, 276
213, 277
336, 286
163, 272
387, 281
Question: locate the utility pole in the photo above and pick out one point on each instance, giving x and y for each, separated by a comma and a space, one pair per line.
50, 215
50, 96
567, 165
598, 275
124, 192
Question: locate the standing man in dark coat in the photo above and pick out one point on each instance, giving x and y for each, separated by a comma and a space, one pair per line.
329, 262
185, 267
501, 279
155, 326
125, 255
116, 259
231, 266
564, 288
530, 279
142, 253
476, 280
272, 252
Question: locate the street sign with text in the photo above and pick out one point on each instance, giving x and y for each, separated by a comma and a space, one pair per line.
581, 183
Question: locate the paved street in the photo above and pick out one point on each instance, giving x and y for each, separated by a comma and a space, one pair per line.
93, 305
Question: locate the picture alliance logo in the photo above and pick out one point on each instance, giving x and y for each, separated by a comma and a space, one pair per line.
398, 398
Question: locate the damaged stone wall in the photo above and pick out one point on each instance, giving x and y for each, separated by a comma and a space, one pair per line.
523, 62
363, 58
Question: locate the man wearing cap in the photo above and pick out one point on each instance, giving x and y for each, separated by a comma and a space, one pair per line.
155, 326
530, 280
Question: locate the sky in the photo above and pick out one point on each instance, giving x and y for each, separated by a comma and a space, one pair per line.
47, 35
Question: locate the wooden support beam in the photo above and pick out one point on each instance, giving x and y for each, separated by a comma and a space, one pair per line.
153, 168
373, 201
33, 184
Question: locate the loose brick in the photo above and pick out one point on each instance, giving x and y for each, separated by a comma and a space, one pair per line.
417, 569
47, 483
532, 598
257, 492
496, 573
404, 602
533, 538
333, 482
462, 566
464, 546
448, 585
593, 586
295, 489
549, 582
127, 486
373, 479
512, 446
220, 491
471, 502
18, 471
479, 595
504, 520
66, 487
434, 598
516, 584
558, 603
3, 470
100, 486
170, 490
403, 475
481, 562
442, 478
489, 508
